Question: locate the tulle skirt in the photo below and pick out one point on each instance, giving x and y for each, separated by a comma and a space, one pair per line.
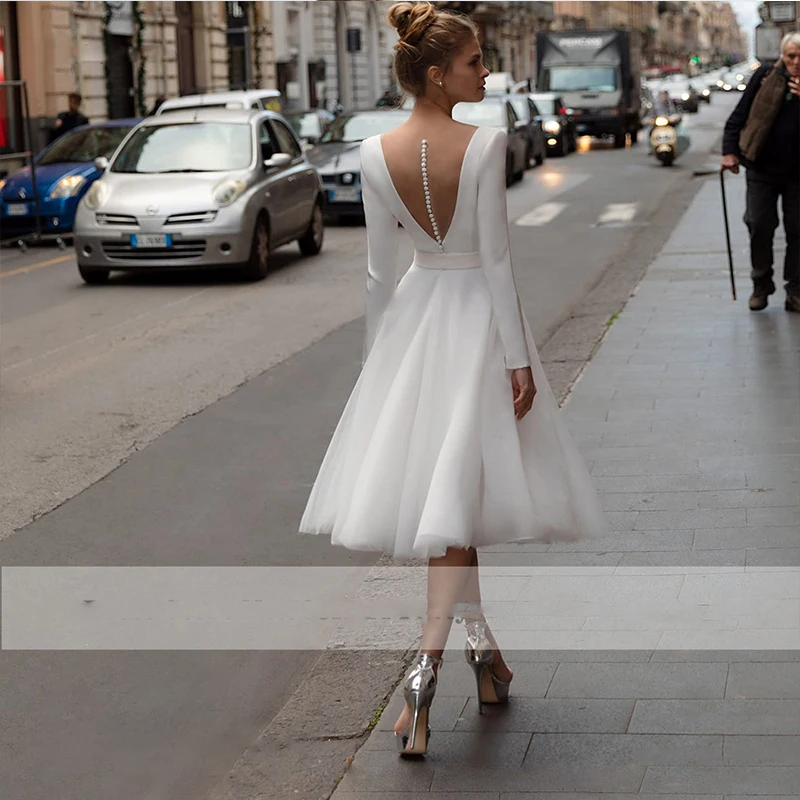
428, 453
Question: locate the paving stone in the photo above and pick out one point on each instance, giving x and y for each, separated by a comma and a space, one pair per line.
640, 680
370, 795
579, 750
629, 541
681, 520
577, 656
773, 557
766, 751
727, 780
525, 714
686, 558
769, 717
770, 681
448, 710
744, 538
613, 796
530, 679
377, 771
763, 517
677, 655
682, 482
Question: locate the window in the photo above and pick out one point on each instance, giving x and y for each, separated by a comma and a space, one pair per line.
268, 148
286, 140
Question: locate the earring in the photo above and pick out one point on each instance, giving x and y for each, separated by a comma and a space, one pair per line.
440, 83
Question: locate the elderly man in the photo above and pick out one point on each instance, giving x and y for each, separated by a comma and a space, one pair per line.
763, 134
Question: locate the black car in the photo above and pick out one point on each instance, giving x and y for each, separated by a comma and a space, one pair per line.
337, 156
528, 113
558, 125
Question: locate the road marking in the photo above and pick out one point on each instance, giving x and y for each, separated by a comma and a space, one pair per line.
541, 215
618, 212
49, 263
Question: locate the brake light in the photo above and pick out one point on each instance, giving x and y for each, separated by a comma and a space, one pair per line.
562, 112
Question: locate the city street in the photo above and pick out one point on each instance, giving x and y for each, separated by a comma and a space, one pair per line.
180, 420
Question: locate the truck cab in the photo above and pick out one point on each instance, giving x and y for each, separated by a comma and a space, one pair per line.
597, 74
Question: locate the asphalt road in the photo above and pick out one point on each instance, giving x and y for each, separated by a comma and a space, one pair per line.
169, 420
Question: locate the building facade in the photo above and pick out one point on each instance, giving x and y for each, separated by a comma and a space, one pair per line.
122, 56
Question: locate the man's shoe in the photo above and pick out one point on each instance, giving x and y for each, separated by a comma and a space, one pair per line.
793, 303
758, 302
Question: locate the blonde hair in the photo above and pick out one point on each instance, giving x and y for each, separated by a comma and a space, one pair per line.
428, 38
790, 38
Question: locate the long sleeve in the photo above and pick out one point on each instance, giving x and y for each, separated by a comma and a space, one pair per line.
738, 117
382, 244
495, 253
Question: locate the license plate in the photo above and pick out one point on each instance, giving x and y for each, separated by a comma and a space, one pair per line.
17, 209
151, 240
347, 194
664, 138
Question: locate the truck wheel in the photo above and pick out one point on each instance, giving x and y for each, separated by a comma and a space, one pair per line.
509, 169
634, 136
619, 140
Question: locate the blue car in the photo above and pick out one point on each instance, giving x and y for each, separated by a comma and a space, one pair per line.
64, 172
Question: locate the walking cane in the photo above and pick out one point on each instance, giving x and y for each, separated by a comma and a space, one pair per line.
727, 230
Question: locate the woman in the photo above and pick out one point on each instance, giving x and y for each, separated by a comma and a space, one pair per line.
451, 438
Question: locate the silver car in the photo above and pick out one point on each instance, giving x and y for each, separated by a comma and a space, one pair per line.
200, 188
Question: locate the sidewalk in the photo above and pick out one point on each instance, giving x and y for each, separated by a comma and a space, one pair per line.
664, 659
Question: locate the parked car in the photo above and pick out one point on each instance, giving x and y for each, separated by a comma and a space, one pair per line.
529, 117
200, 188
256, 99
309, 125
683, 94
65, 171
557, 123
338, 157
497, 112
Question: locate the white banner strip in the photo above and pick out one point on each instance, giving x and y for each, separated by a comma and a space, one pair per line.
308, 608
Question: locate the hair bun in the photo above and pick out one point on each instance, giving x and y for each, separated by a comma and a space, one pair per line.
412, 19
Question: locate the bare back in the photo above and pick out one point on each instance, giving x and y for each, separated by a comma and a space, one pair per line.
446, 148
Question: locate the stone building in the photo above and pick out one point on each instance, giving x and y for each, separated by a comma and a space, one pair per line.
122, 56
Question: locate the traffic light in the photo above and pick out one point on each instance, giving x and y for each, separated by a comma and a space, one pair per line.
695, 59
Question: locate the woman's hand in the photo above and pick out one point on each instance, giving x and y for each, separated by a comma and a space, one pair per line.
524, 391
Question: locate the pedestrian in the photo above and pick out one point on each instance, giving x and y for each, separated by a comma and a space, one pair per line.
664, 106
763, 134
67, 120
451, 439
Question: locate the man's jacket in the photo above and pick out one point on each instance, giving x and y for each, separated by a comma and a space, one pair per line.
764, 128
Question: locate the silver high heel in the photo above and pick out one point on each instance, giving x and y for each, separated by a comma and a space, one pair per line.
419, 688
480, 656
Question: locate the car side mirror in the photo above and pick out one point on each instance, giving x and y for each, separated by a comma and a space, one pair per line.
278, 160
101, 163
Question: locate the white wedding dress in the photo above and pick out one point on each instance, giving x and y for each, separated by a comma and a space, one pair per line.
428, 453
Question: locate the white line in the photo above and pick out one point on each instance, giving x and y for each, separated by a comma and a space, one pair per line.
541, 215
618, 212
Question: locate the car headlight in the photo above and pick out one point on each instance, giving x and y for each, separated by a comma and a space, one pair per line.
97, 195
226, 192
727, 87
552, 126
68, 186
661, 121
685, 96
720, 83
706, 92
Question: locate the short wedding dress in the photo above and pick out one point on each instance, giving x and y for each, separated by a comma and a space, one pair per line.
428, 453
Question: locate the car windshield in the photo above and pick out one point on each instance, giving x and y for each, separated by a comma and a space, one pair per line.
85, 145
520, 106
188, 147
546, 105
582, 79
305, 125
357, 127
484, 113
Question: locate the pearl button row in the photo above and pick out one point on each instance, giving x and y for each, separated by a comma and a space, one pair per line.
427, 188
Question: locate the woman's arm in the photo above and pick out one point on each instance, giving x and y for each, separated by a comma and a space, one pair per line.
382, 243
495, 254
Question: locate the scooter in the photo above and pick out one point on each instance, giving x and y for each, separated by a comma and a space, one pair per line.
668, 138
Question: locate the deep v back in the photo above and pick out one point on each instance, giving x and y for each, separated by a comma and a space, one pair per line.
440, 214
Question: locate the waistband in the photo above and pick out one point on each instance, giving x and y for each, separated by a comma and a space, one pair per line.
447, 260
